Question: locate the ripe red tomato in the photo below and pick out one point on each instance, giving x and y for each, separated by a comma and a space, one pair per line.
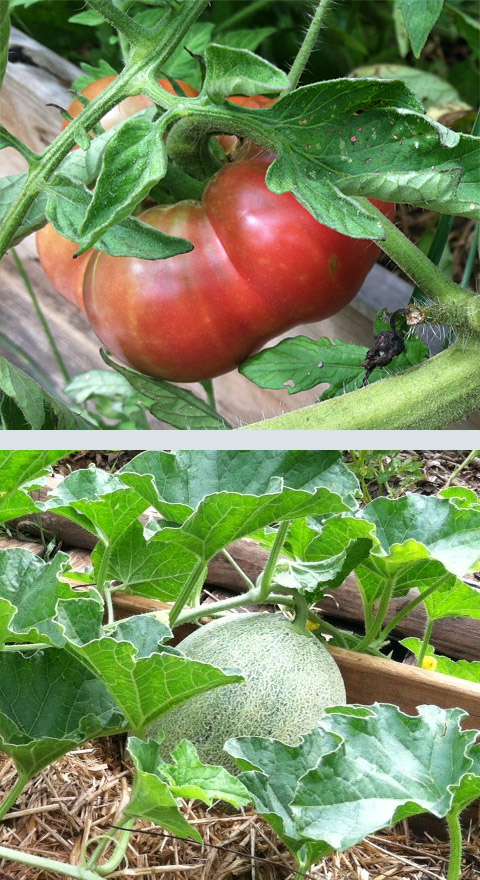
55, 251
260, 265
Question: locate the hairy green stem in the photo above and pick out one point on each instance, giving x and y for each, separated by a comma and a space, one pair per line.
308, 44
141, 67
266, 578
404, 401
135, 33
417, 265
302, 610
41, 316
455, 859
50, 866
13, 795
425, 643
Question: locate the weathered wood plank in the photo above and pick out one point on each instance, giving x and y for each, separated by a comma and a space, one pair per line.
372, 679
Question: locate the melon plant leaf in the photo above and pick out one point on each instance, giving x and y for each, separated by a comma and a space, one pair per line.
151, 797
152, 569
98, 501
468, 789
386, 766
469, 670
271, 773
450, 534
175, 483
457, 600
22, 470
461, 496
29, 592
143, 686
223, 518
408, 567
190, 778
327, 559
49, 704
390, 766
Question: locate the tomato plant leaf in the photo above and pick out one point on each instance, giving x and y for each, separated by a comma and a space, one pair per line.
374, 140
38, 409
171, 404
189, 777
49, 704
299, 364
67, 205
239, 72
450, 534
96, 500
133, 161
181, 65
245, 38
420, 16
175, 483
467, 25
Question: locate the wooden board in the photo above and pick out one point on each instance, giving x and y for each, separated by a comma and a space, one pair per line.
27, 89
372, 679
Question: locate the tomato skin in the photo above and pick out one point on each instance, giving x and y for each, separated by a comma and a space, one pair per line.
260, 265
55, 251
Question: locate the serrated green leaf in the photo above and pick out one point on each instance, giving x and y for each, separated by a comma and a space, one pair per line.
327, 153
20, 470
450, 534
92, 73
150, 797
430, 88
134, 160
98, 501
359, 772
299, 364
239, 72
49, 704
152, 570
171, 404
176, 482
419, 16
89, 18
188, 777
67, 205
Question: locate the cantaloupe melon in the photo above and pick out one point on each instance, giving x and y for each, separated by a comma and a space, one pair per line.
290, 678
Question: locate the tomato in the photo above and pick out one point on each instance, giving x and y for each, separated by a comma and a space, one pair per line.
260, 265
55, 251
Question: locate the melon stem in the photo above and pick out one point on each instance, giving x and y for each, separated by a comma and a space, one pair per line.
267, 576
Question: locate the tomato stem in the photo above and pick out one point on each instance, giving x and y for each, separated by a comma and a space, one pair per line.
308, 44
134, 32
404, 401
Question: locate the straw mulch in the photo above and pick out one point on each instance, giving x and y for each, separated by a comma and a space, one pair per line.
82, 794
